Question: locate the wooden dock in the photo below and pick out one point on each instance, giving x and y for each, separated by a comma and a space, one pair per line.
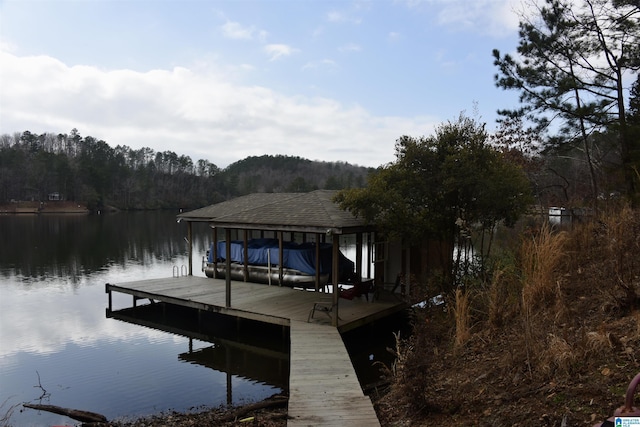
323, 386
278, 305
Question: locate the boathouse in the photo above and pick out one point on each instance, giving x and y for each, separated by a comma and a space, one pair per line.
305, 217
314, 216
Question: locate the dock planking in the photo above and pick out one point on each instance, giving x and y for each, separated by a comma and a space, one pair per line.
271, 304
323, 386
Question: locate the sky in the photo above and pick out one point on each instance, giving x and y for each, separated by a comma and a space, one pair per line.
224, 80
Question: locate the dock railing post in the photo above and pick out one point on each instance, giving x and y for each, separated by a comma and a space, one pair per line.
107, 289
334, 271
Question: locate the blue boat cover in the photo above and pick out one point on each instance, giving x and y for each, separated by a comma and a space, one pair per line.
298, 256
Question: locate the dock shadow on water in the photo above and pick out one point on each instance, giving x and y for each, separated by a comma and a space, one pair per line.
247, 349
371, 347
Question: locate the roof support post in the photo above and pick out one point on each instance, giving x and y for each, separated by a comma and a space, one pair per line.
359, 255
190, 239
246, 254
227, 276
214, 255
369, 252
280, 258
334, 279
318, 266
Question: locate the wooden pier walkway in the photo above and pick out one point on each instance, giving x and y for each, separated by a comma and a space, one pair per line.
323, 386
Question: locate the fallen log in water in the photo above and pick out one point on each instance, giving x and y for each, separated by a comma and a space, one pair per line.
78, 415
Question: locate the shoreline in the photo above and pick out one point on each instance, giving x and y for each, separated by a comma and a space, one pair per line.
49, 207
270, 412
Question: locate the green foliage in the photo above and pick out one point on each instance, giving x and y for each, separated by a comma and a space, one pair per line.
634, 131
572, 64
291, 174
441, 186
89, 170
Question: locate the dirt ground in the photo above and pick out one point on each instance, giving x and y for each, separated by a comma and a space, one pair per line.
483, 386
565, 361
269, 413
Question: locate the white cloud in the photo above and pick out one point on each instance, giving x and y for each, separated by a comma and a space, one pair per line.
277, 51
234, 30
350, 47
497, 18
7, 46
193, 112
322, 64
335, 16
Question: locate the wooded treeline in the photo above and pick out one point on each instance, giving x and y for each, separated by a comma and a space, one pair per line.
86, 169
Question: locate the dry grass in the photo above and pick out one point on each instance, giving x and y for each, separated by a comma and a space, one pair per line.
462, 315
558, 357
540, 257
612, 243
541, 254
553, 333
623, 250
503, 296
496, 299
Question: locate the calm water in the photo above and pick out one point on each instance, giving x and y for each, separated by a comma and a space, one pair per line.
57, 346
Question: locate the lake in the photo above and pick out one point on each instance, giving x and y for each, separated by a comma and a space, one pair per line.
58, 347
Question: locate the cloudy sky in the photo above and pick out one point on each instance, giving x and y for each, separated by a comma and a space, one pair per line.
223, 80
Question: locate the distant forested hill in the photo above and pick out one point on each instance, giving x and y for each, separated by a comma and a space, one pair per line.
272, 174
84, 169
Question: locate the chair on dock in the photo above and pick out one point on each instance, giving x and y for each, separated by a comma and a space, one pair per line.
358, 289
325, 306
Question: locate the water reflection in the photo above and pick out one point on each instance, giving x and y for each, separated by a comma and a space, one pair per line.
53, 329
74, 246
255, 351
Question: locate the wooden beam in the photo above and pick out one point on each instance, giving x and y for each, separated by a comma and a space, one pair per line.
214, 255
280, 258
359, 255
335, 274
190, 239
246, 254
227, 276
317, 262
369, 252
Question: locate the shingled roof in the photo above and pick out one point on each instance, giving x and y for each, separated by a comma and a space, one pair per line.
314, 212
